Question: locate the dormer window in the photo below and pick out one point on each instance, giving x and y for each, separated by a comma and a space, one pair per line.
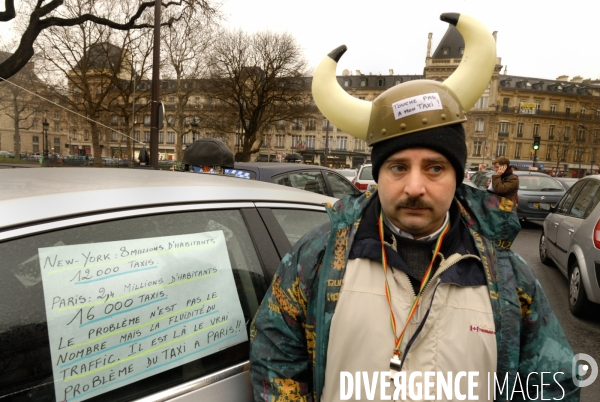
398, 81
445, 50
347, 83
461, 50
380, 82
363, 83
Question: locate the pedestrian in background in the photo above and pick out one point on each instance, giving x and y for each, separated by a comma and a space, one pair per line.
504, 183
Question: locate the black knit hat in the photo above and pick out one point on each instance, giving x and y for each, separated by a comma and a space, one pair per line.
447, 140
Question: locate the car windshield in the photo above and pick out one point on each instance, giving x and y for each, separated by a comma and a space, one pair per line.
366, 173
347, 173
539, 183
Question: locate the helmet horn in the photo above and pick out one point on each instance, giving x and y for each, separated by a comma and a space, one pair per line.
346, 112
472, 76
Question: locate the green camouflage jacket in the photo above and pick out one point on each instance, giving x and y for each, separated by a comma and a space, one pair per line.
290, 333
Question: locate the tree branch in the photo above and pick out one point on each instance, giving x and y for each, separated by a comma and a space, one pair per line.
9, 14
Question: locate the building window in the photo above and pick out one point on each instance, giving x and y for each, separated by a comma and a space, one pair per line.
518, 150
86, 135
503, 129
56, 114
380, 82
327, 123
341, 143
567, 132
172, 100
520, 129
568, 110
346, 83
553, 108
297, 124
597, 114
56, 145
445, 50
583, 111
56, 126
578, 154
114, 120
147, 120
536, 129
477, 148
482, 103
136, 135
538, 106
296, 142
363, 83
34, 124
310, 142
505, 103
170, 137
197, 101
74, 135
311, 123
186, 139
36, 143
146, 136
114, 136
549, 154
279, 141
551, 132
161, 137
398, 81
501, 150
580, 135
359, 145
596, 136
479, 125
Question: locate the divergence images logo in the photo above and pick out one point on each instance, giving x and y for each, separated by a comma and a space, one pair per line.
582, 368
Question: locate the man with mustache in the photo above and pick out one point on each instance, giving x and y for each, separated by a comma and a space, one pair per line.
417, 276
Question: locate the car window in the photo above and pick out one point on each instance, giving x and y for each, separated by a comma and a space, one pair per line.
121, 309
582, 205
296, 223
567, 200
366, 173
340, 186
539, 183
304, 180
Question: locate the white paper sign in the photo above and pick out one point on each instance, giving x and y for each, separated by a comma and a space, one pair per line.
416, 104
125, 310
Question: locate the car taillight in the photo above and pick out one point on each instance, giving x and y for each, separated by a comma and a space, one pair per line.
597, 235
362, 186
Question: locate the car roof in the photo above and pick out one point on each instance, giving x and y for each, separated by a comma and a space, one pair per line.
530, 173
30, 195
269, 169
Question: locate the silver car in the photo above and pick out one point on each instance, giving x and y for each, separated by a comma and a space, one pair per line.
137, 285
571, 240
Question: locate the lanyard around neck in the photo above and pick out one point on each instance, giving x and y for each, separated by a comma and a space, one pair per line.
424, 281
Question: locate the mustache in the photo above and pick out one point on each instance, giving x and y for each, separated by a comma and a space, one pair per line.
414, 202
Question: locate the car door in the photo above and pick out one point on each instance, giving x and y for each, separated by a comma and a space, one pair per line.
150, 303
339, 186
553, 220
309, 180
574, 217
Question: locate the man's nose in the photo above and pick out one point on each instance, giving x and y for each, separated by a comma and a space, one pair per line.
414, 185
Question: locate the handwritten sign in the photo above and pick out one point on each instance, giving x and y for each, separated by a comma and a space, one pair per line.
125, 310
416, 104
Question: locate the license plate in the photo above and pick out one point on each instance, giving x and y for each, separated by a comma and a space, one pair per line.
542, 205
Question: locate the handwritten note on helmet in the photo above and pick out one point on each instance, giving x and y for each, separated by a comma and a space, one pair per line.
416, 104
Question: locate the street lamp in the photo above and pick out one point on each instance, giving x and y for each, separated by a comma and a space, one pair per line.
45, 126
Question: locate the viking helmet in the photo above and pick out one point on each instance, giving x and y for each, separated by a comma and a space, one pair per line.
414, 105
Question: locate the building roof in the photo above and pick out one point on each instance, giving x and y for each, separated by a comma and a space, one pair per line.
451, 46
541, 84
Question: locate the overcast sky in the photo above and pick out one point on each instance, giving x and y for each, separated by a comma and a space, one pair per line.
535, 38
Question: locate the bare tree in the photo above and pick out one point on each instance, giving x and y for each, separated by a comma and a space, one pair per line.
91, 63
564, 142
36, 16
18, 102
184, 52
260, 79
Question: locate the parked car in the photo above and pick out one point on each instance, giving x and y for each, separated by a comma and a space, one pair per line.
364, 178
571, 240
314, 178
537, 194
349, 174
566, 182
137, 283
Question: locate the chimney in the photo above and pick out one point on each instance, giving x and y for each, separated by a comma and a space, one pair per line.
577, 78
358, 72
391, 71
564, 78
